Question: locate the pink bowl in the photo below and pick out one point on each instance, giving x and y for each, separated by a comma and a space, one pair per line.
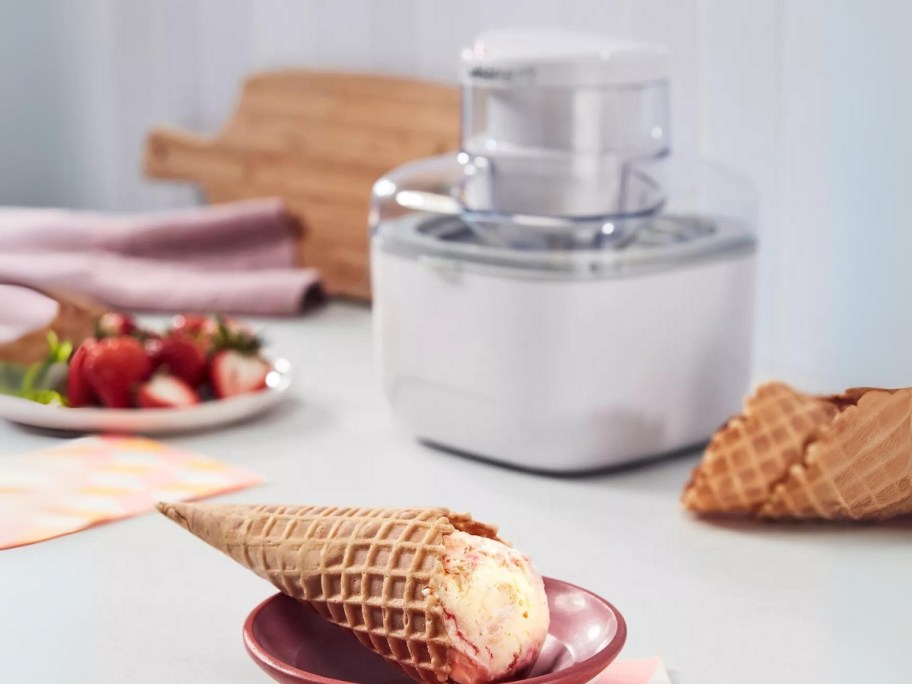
292, 644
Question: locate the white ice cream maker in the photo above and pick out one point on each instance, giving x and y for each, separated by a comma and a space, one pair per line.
564, 294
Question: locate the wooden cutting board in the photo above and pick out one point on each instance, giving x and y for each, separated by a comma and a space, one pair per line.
319, 140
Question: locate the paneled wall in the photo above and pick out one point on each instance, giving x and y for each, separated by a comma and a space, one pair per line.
809, 97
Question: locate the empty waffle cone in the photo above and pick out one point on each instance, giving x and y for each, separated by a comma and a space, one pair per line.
366, 569
753, 450
859, 467
799, 456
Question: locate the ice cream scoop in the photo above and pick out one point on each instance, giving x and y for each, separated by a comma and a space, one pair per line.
435, 592
495, 608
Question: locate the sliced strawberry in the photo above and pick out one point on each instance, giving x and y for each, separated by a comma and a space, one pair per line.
232, 373
114, 367
166, 391
180, 355
79, 391
115, 324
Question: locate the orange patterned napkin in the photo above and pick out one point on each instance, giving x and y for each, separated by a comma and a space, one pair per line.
94, 480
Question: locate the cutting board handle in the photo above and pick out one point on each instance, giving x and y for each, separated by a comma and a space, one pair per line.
319, 140
175, 154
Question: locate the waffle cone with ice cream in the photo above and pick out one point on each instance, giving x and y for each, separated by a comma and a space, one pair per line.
412, 584
792, 455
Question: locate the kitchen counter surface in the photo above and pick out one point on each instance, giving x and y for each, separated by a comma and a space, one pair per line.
141, 601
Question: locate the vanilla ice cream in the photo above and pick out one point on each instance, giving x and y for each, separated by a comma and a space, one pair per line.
495, 608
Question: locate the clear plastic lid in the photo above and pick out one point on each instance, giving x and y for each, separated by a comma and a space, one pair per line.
543, 58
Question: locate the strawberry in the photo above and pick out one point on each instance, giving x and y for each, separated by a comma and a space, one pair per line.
227, 333
226, 325
217, 332
114, 366
188, 324
114, 324
232, 373
183, 357
166, 391
79, 392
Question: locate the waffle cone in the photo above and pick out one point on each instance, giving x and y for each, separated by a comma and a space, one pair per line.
859, 467
753, 450
799, 456
365, 569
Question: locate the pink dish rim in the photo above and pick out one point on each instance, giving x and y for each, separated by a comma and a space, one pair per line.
597, 663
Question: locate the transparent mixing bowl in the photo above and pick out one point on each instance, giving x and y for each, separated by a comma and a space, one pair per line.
671, 209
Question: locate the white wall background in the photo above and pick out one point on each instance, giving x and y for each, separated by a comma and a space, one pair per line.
810, 97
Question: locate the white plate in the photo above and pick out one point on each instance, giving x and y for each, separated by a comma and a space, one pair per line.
206, 415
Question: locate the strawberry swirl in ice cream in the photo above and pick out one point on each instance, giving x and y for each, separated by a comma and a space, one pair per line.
495, 609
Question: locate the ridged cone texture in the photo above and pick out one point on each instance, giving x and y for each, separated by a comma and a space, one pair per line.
366, 569
792, 455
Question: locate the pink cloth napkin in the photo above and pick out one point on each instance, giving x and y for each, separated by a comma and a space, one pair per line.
236, 257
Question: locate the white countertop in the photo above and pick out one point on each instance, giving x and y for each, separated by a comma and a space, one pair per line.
142, 601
